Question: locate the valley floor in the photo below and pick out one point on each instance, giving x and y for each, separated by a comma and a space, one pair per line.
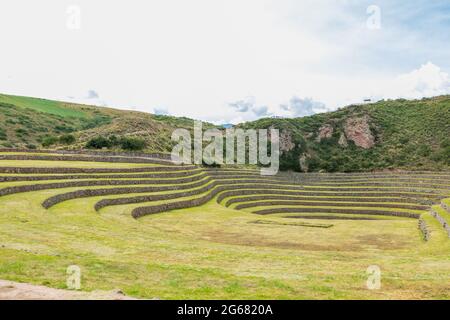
214, 252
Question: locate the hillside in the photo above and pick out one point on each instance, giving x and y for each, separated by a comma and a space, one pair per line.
398, 134
384, 135
36, 123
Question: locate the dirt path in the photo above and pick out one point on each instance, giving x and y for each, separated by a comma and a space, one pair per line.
22, 291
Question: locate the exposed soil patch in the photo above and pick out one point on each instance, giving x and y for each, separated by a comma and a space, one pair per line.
10, 290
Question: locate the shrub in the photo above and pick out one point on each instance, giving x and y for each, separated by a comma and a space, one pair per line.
98, 143
67, 139
64, 128
48, 141
31, 146
445, 143
97, 121
424, 150
3, 135
21, 131
132, 144
114, 140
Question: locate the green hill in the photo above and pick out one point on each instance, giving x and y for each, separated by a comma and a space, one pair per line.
407, 134
36, 123
397, 134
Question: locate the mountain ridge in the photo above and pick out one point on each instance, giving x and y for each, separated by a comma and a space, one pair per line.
392, 134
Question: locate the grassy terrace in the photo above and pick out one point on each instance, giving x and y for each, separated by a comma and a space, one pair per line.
70, 164
215, 251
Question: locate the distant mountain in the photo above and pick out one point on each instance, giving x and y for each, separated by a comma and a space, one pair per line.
226, 125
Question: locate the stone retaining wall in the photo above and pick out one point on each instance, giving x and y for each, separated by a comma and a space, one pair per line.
344, 211
404, 189
220, 186
112, 191
164, 156
73, 184
87, 158
139, 199
281, 196
48, 203
143, 211
423, 227
322, 217
442, 221
56, 170
427, 199
321, 204
445, 207
165, 175
388, 184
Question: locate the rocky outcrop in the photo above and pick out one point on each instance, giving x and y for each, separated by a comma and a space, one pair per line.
325, 132
357, 129
343, 141
286, 143
303, 163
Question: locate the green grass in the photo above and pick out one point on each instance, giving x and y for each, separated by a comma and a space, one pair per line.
446, 201
71, 164
43, 105
296, 224
214, 252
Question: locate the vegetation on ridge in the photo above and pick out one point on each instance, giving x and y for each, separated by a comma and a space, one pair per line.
393, 134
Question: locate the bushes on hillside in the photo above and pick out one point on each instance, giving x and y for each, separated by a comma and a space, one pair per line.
64, 139
132, 144
67, 139
98, 143
125, 143
49, 141
3, 135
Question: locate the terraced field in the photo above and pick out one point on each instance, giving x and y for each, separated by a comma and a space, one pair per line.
154, 229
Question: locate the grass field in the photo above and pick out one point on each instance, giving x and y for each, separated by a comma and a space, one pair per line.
212, 251
43, 105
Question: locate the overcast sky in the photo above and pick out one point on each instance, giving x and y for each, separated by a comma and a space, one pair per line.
225, 60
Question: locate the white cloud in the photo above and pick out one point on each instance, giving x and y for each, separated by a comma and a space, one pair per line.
262, 111
250, 108
427, 81
161, 111
298, 107
196, 56
243, 105
92, 94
